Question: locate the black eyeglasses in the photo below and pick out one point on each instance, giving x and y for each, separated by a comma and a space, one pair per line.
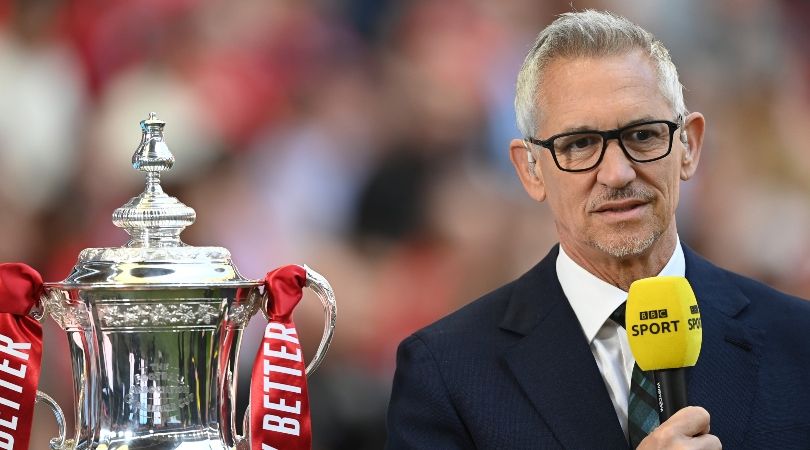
580, 151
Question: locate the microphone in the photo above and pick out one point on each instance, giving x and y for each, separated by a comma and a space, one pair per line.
664, 330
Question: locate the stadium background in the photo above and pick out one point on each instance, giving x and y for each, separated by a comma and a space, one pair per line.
368, 139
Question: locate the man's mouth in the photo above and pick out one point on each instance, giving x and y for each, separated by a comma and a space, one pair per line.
620, 206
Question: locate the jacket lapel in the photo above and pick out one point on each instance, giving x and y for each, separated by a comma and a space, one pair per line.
725, 378
554, 365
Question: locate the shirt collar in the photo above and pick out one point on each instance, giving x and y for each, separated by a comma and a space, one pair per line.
593, 299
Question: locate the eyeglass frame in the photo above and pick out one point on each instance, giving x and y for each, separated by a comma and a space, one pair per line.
608, 136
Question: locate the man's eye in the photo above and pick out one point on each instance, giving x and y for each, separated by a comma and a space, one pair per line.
645, 134
642, 135
578, 144
583, 142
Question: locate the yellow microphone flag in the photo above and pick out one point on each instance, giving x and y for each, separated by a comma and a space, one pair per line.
663, 323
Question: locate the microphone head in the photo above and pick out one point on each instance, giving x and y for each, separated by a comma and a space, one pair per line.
663, 323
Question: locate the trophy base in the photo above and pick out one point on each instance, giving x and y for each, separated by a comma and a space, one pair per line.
155, 442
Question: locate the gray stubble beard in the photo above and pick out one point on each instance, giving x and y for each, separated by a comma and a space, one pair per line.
628, 246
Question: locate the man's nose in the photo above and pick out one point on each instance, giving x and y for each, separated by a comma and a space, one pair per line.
615, 170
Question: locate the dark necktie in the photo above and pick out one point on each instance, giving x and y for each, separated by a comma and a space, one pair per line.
642, 411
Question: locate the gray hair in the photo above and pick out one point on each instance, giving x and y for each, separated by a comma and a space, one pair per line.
590, 33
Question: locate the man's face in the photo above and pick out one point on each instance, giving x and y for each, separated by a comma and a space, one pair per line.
620, 208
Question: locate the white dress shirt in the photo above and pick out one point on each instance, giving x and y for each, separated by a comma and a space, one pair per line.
593, 300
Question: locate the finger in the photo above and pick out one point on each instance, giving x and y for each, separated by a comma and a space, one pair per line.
690, 421
707, 442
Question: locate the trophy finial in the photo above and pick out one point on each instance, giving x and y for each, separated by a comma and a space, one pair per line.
153, 219
153, 154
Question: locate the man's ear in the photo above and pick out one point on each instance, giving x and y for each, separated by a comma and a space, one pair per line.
527, 168
691, 140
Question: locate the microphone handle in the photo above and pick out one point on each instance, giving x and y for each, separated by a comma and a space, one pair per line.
670, 385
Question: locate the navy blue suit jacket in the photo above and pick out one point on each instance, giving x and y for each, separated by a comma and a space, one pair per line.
513, 370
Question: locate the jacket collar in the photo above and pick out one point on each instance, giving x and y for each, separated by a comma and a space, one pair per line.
523, 312
538, 291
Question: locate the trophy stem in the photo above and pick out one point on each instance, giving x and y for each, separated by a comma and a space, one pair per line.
153, 183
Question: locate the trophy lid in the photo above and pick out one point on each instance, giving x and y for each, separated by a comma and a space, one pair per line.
154, 256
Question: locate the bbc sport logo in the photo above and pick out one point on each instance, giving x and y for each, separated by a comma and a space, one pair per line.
653, 314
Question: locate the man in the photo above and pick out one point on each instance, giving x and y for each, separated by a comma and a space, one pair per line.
539, 363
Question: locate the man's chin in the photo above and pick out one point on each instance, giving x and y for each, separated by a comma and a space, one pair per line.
621, 247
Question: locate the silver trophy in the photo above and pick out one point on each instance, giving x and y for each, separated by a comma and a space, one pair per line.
154, 328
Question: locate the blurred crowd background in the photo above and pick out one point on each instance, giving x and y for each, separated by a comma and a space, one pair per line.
368, 139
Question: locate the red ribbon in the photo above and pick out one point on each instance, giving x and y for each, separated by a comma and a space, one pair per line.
20, 353
279, 405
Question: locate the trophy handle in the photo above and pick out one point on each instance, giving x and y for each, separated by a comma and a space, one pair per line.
39, 312
318, 284
57, 443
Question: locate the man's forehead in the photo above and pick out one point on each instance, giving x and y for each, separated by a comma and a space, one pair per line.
594, 92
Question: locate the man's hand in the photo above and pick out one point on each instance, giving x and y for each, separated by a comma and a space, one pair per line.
686, 429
